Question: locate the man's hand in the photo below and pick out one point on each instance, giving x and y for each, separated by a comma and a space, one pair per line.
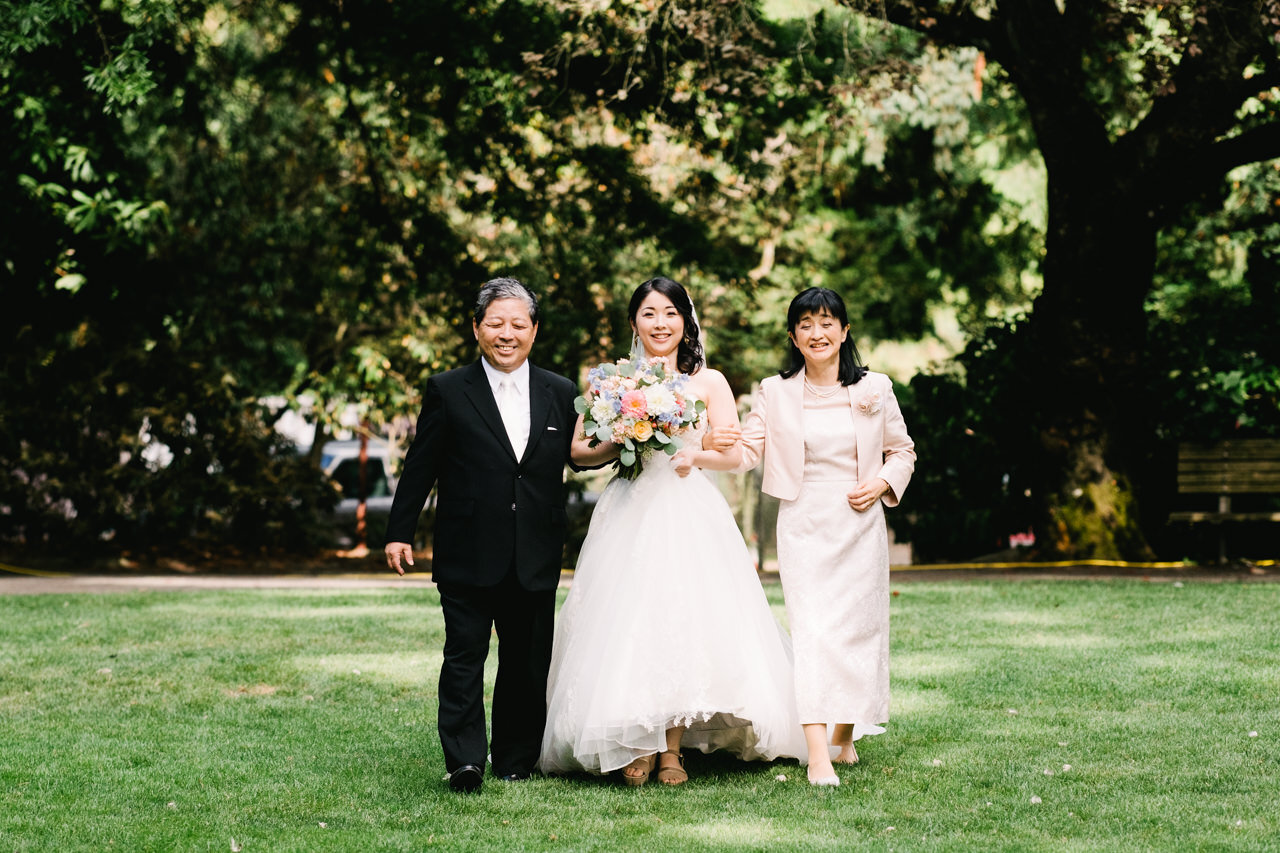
397, 552
864, 495
721, 438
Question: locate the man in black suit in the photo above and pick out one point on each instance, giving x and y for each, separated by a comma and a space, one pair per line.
493, 439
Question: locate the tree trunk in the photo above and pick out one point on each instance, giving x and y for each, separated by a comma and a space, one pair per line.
1090, 328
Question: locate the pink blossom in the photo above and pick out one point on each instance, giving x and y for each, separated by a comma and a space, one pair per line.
634, 405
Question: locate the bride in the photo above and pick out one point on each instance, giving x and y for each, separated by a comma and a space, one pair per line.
666, 641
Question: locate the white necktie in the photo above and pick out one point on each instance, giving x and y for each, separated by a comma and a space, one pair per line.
509, 408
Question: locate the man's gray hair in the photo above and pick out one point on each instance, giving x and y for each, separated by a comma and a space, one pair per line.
504, 288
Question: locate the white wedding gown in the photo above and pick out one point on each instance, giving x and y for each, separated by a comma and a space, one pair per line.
666, 625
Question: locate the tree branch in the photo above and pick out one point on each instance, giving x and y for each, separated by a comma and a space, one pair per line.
1255, 86
1037, 46
1180, 144
1252, 146
944, 26
1199, 173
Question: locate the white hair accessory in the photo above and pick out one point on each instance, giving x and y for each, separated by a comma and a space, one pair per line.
637, 348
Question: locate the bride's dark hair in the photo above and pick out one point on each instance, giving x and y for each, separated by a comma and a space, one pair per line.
689, 354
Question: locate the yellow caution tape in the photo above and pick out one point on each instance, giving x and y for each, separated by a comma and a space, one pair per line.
35, 573
1063, 564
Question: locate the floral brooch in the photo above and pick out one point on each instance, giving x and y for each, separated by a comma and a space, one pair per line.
870, 404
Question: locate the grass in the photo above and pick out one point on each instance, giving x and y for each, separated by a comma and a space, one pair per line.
293, 720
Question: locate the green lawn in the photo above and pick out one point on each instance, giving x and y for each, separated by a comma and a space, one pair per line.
1032, 715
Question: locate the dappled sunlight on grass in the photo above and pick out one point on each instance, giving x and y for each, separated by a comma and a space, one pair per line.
1021, 617
907, 701
1064, 640
928, 665
1214, 636
309, 608
736, 832
1180, 658
379, 611
411, 670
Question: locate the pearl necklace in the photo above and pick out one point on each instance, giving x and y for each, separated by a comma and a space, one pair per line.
828, 391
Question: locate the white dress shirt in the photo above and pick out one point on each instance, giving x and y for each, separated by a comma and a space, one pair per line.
515, 411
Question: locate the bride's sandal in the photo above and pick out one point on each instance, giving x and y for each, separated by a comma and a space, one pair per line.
637, 772
672, 774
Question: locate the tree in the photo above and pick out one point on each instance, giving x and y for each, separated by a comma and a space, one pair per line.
197, 221
213, 205
1139, 110
792, 150
133, 417
216, 204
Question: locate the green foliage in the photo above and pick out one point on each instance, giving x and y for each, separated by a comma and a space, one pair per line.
1207, 375
133, 337
235, 215
975, 431
85, 470
230, 203
1222, 381
1222, 373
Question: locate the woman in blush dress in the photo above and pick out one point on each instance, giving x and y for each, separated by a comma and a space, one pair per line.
666, 641
836, 452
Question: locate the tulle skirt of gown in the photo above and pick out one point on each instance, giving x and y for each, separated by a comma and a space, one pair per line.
666, 625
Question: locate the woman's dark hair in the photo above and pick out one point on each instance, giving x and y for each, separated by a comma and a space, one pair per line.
817, 300
689, 354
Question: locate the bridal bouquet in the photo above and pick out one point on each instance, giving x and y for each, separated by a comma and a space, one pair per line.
640, 405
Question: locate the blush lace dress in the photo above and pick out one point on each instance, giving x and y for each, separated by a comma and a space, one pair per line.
666, 625
834, 564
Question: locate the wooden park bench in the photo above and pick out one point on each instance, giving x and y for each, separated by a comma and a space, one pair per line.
1234, 467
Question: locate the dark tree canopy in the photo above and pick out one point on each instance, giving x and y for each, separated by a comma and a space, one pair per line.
213, 212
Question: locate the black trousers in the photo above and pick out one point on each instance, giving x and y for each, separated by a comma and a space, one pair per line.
524, 622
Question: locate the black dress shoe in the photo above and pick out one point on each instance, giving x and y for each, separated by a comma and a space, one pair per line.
514, 777
466, 779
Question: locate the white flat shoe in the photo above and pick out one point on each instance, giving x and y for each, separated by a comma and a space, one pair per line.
826, 782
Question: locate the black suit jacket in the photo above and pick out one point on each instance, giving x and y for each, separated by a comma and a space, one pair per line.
492, 510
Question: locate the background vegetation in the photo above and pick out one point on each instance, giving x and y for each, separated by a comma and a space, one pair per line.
1055, 224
